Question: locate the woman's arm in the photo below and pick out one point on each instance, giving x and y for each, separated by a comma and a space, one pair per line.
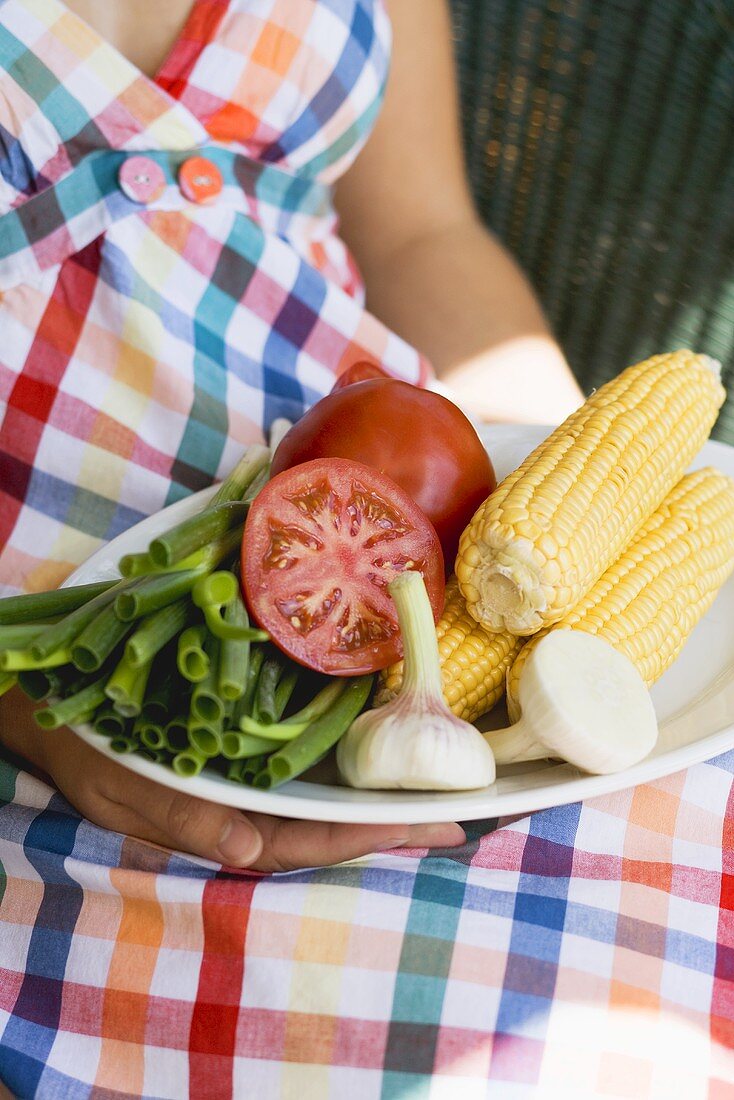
433, 273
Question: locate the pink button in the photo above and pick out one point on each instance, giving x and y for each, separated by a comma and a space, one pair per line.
141, 179
199, 179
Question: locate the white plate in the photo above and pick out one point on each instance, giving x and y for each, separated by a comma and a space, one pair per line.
694, 702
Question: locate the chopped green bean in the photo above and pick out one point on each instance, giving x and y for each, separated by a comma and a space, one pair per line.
73, 707
24, 660
122, 744
109, 723
192, 660
126, 687
155, 631
255, 460
290, 727
136, 565
205, 739
214, 592
188, 763
315, 741
148, 594
20, 635
63, 633
97, 641
206, 703
196, 532
177, 733
236, 745
39, 683
44, 605
235, 654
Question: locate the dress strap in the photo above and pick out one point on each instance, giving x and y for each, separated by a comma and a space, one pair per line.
107, 186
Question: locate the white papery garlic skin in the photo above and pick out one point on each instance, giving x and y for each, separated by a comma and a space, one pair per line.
414, 742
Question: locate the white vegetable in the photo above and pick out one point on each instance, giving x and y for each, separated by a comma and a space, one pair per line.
415, 742
582, 701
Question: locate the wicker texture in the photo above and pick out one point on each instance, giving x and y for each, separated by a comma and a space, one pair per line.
599, 141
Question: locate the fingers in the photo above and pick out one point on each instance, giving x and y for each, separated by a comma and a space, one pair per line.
118, 799
288, 844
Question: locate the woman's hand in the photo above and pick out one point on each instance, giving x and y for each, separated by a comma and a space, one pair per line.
115, 798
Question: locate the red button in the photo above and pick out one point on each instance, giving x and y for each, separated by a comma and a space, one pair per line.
141, 179
199, 179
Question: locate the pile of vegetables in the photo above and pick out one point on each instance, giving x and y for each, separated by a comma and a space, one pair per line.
336, 542
165, 661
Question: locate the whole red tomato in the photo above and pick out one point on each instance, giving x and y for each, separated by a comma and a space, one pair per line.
418, 438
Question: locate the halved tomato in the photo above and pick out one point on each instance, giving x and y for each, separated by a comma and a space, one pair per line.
322, 542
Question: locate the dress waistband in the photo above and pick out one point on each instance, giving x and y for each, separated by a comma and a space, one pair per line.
108, 185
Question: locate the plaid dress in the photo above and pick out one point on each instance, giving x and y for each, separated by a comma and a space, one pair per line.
144, 342
580, 952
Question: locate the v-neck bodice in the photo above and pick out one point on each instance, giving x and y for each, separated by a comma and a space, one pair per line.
147, 333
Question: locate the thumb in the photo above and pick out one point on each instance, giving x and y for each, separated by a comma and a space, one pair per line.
180, 821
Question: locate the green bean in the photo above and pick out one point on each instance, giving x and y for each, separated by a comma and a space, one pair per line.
24, 660
206, 703
192, 660
214, 592
205, 739
128, 689
63, 633
266, 705
315, 741
246, 703
39, 683
290, 727
195, 532
177, 733
235, 654
20, 635
255, 459
158, 756
236, 745
123, 744
155, 631
136, 565
73, 707
188, 763
109, 723
44, 605
150, 593
151, 735
234, 771
96, 642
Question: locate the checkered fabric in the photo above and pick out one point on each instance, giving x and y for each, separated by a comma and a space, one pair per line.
583, 952
144, 344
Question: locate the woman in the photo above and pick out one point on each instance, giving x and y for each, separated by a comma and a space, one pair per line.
161, 310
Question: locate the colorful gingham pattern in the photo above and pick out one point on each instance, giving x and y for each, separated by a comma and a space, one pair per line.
582, 952
143, 345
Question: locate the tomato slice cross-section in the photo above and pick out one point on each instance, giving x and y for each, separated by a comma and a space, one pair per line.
322, 542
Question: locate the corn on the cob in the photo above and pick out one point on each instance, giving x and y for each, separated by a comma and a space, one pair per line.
649, 600
474, 663
539, 542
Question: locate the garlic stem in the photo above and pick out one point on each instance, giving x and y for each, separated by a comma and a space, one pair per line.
422, 666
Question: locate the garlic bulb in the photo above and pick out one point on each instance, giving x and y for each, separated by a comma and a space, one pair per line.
415, 742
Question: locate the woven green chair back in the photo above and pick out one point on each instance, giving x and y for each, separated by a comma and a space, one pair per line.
599, 137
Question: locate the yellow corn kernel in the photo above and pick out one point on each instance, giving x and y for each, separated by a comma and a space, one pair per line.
585, 490
474, 664
648, 601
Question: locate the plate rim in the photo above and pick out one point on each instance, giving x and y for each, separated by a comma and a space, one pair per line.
316, 802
